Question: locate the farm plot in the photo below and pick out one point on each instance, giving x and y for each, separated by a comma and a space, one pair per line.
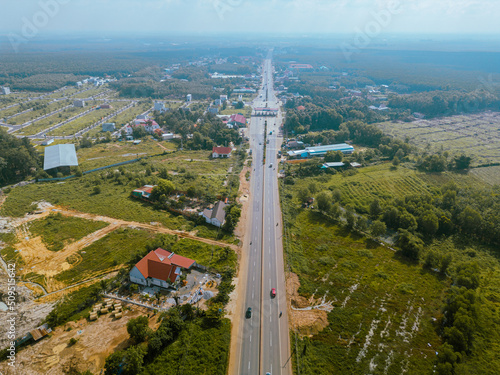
477, 135
89, 119
378, 181
28, 116
380, 308
49, 121
490, 175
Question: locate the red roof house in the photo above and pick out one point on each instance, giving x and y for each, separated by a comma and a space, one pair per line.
221, 152
160, 268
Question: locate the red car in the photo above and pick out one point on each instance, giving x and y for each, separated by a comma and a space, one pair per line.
273, 292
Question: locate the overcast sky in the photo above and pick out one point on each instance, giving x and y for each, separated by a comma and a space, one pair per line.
235, 16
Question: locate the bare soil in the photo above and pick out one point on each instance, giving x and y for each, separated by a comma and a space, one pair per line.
306, 322
96, 340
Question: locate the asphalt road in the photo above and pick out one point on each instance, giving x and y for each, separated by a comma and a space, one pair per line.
264, 342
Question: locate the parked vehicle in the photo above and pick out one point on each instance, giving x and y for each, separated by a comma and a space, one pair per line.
248, 314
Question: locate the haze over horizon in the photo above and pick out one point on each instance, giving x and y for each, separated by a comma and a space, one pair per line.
256, 16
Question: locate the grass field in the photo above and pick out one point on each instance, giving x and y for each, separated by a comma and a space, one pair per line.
477, 135
64, 93
25, 117
246, 111
114, 197
384, 309
57, 230
85, 121
90, 93
115, 249
47, 122
112, 153
490, 175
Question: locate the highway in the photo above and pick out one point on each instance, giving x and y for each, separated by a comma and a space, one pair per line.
263, 343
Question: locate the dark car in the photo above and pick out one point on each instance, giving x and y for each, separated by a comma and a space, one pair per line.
273, 292
248, 314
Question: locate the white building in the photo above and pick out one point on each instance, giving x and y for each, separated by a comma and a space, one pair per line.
189, 98
79, 103
5, 91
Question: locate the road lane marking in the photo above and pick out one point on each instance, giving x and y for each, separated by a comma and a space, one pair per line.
270, 339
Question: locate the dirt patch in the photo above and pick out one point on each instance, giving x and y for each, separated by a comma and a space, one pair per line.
39, 259
96, 340
307, 322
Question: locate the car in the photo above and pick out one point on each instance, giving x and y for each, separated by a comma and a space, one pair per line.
271, 165
268, 373
248, 314
273, 292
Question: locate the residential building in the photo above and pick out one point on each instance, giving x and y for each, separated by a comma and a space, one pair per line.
108, 127
189, 98
143, 192
5, 90
333, 165
217, 215
213, 110
237, 120
105, 106
160, 107
223, 98
79, 103
160, 268
221, 152
47, 142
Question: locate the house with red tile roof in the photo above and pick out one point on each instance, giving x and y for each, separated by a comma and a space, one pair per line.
237, 120
221, 152
160, 268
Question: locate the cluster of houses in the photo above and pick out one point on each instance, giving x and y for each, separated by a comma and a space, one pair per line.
96, 81
4, 90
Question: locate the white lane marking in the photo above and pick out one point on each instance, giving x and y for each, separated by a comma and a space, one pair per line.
270, 340
253, 279
254, 263
252, 293
250, 338
249, 365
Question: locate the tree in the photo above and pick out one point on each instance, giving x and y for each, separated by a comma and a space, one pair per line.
113, 363
138, 329
375, 209
214, 314
323, 202
378, 228
134, 359
361, 223
139, 132
411, 246
164, 187
429, 223
239, 105
396, 161
303, 195
462, 162
333, 156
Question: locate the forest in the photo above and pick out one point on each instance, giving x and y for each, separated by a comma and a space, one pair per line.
18, 159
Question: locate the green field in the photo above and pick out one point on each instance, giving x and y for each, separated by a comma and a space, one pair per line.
112, 153
90, 93
115, 249
383, 182
385, 310
114, 200
57, 230
25, 117
85, 121
64, 93
47, 122
476, 135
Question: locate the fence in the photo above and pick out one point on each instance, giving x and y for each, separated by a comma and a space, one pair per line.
97, 169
